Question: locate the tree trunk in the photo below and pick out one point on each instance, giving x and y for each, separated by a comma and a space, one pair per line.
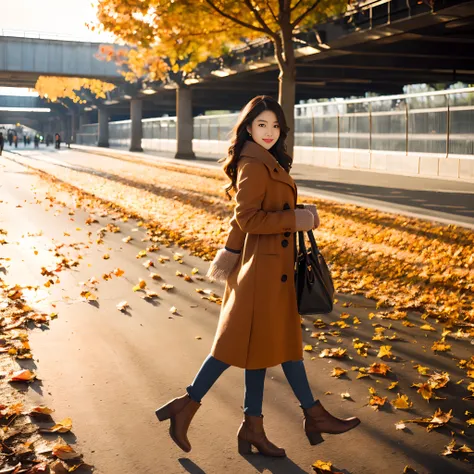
286, 98
285, 55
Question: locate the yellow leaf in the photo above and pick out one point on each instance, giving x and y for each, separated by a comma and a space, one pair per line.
323, 465
65, 452
381, 368
427, 327
41, 410
385, 351
337, 372
440, 346
62, 427
422, 370
402, 402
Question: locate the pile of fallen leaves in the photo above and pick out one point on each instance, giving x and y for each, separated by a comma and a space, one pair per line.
402, 262
30, 440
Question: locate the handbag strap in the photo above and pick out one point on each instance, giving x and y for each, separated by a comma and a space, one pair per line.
314, 245
302, 246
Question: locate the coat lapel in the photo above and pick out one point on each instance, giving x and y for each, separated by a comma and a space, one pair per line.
277, 172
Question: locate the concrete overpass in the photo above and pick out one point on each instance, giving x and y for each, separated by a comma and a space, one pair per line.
22, 60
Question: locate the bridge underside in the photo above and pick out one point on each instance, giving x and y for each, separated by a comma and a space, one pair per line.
426, 48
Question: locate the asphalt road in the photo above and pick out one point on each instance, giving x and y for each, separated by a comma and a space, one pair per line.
109, 370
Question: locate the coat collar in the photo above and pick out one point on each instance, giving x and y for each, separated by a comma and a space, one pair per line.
277, 172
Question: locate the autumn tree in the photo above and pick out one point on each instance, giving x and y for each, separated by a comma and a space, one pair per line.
176, 36
54, 88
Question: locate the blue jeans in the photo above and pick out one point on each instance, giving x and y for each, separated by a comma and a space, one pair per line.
212, 369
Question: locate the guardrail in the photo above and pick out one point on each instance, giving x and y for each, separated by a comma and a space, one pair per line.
51, 36
429, 122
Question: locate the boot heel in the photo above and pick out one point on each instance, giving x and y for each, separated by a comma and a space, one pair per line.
245, 447
163, 413
314, 438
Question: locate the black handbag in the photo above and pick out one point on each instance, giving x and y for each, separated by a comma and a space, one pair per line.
313, 281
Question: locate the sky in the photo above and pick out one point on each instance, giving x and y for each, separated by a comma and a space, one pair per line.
62, 17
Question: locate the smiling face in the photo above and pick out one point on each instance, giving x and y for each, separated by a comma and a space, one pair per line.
265, 129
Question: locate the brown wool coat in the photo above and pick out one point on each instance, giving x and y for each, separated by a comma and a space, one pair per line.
259, 325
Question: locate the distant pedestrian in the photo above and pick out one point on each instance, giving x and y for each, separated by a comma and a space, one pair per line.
2, 142
10, 138
36, 140
15, 140
259, 325
57, 139
24, 140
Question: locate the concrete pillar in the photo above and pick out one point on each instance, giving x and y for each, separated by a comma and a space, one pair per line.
184, 125
73, 127
103, 127
136, 130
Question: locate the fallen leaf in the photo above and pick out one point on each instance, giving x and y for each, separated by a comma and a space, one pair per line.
61, 427
22, 376
122, 306
402, 402
64, 451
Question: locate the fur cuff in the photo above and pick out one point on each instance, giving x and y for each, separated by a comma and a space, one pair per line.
304, 219
222, 265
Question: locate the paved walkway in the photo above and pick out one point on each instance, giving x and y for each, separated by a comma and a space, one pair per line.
109, 370
439, 200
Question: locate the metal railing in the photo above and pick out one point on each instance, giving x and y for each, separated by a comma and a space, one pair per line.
43, 35
440, 122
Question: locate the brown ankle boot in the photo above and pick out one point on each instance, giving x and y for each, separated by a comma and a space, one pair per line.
180, 412
251, 432
317, 420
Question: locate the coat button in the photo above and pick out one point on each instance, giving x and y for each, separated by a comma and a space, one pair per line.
286, 206
284, 243
284, 278
287, 234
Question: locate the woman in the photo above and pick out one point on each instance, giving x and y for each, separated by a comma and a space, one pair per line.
259, 325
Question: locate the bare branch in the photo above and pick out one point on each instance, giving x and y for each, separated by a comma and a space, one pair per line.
271, 11
232, 18
294, 7
259, 18
305, 14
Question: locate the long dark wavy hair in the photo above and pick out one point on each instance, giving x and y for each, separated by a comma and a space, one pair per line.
240, 135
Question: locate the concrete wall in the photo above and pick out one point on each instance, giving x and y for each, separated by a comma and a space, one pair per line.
424, 165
